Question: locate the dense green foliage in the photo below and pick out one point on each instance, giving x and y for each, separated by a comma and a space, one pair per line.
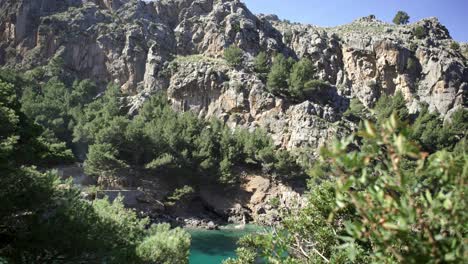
233, 55
44, 220
24, 141
279, 74
387, 104
419, 32
179, 195
161, 140
157, 140
295, 80
301, 74
40, 112
428, 129
261, 63
356, 111
455, 46
97, 115
55, 102
401, 18
384, 202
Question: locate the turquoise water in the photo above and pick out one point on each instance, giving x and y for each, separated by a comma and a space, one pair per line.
212, 247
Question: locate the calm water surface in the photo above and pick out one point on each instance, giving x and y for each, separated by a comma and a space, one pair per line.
212, 247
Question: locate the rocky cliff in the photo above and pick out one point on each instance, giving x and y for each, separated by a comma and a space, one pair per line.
177, 45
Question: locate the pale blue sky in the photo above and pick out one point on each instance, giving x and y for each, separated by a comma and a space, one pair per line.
452, 13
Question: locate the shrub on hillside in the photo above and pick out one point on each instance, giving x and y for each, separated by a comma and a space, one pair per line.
318, 90
419, 32
233, 55
412, 65
387, 104
384, 202
455, 46
45, 220
301, 74
261, 64
279, 74
287, 36
356, 111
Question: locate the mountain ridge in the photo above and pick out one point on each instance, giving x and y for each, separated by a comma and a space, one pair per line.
137, 45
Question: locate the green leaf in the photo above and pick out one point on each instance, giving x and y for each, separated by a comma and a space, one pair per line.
448, 204
428, 196
370, 129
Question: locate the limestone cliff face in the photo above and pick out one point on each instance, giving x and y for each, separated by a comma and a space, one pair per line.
177, 45
370, 58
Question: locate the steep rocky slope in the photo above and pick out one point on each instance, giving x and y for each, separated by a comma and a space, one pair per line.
177, 45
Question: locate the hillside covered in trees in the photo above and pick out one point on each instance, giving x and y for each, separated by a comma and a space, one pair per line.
349, 143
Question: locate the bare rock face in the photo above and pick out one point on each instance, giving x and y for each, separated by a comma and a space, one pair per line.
445, 82
316, 44
383, 70
258, 199
104, 40
207, 26
370, 58
211, 88
177, 45
109, 4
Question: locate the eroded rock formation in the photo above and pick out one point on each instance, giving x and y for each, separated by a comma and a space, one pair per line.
177, 45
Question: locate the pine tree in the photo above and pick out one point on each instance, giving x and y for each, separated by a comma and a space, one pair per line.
261, 64
401, 18
302, 72
278, 77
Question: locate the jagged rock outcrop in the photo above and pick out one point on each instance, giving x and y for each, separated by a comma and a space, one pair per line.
377, 58
177, 45
211, 88
259, 199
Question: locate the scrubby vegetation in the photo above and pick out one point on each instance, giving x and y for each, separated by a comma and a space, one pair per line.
387, 104
412, 66
161, 140
374, 198
44, 220
356, 111
455, 46
428, 129
279, 74
261, 63
288, 35
301, 74
156, 140
295, 80
233, 55
419, 32
43, 117
391, 193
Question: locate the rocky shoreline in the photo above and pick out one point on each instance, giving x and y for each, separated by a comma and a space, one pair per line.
257, 200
